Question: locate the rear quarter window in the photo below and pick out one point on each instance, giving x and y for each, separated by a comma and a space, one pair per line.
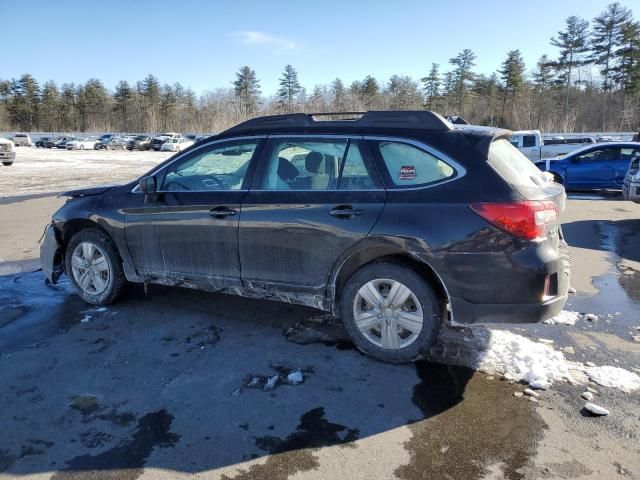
512, 165
410, 166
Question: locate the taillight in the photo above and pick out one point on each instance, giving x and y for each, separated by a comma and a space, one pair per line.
529, 220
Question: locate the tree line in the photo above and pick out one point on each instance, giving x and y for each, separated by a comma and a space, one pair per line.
592, 84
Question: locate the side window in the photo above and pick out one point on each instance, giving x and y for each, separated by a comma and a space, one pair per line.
409, 166
599, 155
216, 167
316, 164
529, 141
514, 141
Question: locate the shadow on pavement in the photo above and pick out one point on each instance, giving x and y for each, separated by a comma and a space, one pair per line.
179, 382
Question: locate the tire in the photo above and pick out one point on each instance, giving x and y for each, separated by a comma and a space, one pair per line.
421, 300
7, 164
113, 282
558, 179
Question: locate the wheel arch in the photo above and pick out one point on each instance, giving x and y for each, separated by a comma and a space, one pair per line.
371, 255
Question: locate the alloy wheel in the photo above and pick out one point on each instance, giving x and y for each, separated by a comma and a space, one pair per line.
388, 314
90, 268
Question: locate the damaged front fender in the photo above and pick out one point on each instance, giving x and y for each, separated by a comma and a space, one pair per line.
51, 255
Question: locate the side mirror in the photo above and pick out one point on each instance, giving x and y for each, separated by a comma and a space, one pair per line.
148, 185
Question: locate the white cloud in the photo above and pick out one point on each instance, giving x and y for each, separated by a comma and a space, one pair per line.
259, 38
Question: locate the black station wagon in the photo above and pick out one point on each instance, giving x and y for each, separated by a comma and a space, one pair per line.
397, 222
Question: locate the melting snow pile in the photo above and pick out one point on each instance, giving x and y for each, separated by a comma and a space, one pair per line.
518, 358
565, 317
614, 377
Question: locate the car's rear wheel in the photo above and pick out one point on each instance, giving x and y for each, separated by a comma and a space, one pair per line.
391, 312
94, 267
7, 164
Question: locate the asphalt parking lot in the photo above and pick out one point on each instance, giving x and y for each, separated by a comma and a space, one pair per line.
178, 384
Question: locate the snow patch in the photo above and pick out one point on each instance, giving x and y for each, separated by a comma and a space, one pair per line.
565, 317
614, 377
520, 359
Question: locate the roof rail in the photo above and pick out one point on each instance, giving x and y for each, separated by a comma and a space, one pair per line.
418, 119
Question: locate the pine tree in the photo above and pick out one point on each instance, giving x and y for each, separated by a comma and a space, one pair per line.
403, 93
573, 44
247, 89
369, 91
24, 102
606, 40
49, 105
339, 95
431, 86
627, 71
512, 76
149, 90
463, 77
68, 115
289, 88
123, 105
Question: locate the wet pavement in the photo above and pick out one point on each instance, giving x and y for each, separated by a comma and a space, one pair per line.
174, 386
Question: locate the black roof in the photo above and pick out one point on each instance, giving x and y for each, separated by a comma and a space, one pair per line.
414, 120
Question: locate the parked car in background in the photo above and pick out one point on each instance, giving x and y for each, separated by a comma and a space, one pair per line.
176, 144
102, 142
399, 222
600, 166
158, 140
81, 144
140, 142
22, 140
531, 144
42, 142
631, 184
62, 143
7, 151
51, 143
117, 143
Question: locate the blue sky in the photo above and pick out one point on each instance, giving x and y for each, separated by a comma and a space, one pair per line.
202, 44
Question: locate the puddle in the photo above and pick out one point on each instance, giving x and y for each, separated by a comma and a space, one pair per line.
32, 311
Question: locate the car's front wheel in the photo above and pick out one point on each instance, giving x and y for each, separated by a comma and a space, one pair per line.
391, 312
94, 267
7, 164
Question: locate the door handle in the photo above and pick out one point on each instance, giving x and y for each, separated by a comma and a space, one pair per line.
220, 212
345, 211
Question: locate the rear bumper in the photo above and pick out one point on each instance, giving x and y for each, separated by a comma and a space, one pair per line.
525, 293
51, 256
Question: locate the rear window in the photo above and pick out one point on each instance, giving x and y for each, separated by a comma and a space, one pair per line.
512, 165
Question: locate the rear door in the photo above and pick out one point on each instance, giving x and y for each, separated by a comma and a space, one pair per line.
189, 229
313, 198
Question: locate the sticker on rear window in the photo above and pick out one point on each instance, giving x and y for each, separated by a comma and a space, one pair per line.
407, 172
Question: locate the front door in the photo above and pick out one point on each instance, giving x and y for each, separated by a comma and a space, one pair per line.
188, 231
311, 200
592, 169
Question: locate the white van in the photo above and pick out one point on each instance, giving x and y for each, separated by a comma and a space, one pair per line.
22, 140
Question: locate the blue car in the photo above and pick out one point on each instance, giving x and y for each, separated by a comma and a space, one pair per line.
601, 166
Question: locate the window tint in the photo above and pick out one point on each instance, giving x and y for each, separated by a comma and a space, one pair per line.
316, 164
600, 155
410, 166
221, 167
529, 141
355, 175
512, 165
